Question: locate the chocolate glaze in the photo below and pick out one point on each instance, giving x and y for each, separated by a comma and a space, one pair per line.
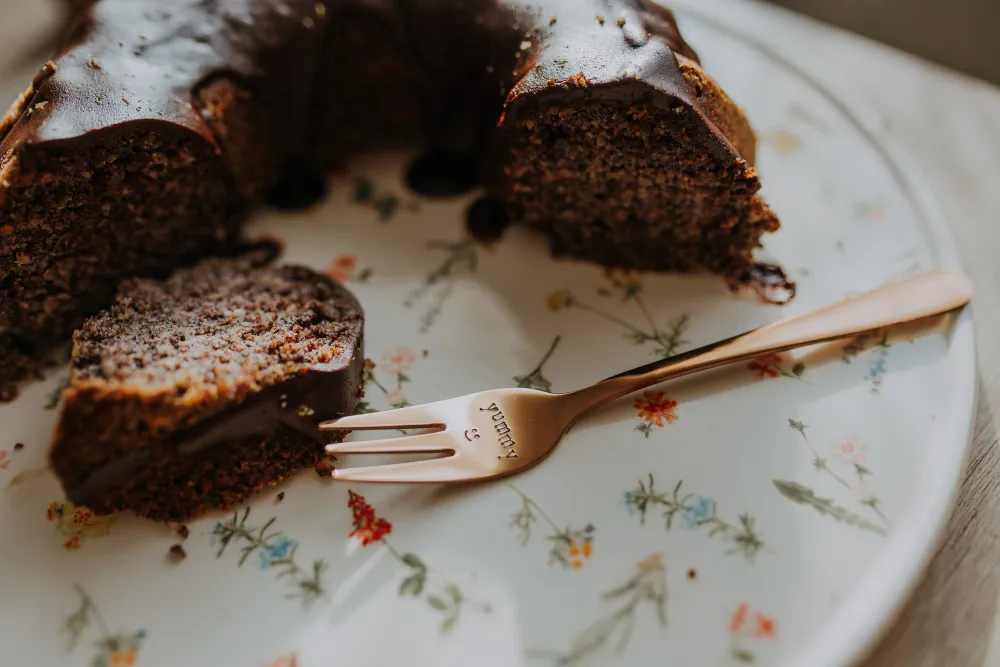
129, 62
330, 393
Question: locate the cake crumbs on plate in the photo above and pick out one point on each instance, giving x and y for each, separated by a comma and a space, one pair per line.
177, 553
281, 496
19, 446
324, 468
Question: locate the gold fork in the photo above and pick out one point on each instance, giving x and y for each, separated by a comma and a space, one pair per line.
504, 431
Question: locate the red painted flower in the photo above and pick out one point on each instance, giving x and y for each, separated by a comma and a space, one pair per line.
850, 450
738, 618
368, 528
654, 407
72, 544
768, 366
341, 268
764, 626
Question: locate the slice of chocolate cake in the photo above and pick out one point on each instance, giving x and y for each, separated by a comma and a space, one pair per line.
198, 391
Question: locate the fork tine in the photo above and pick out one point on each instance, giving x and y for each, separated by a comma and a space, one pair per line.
422, 443
414, 416
448, 469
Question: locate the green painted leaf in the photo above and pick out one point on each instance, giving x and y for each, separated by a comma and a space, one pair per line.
437, 603
803, 495
412, 560
448, 624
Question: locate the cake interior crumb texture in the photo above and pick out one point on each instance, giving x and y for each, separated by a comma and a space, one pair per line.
217, 354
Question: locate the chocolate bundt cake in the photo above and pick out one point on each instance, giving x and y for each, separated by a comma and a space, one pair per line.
146, 141
196, 392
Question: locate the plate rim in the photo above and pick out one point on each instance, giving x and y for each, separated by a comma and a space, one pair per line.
880, 597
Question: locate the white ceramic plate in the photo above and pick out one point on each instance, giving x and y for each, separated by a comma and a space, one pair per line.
777, 512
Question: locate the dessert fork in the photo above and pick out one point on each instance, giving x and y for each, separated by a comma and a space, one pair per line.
504, 431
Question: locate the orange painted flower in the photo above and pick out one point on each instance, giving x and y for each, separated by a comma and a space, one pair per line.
738, 618
368, 528
764, 626
768, 366
289, 660
622, 279
123, 658
399, 360
654, 407
82, 516
559, 300
341, 268
77, 523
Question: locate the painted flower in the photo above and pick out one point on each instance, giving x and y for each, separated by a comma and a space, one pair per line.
862, 492
652, 562
122, 658
72, 544
559, 300
289, 660
276, 551
768, 366
698, 511
82, 516
764, 626
368, 528
4, 461
654, 407
397, 361
341, 268
54, 511
395, 397
850, 450
626, 280
761, 627
738, 618
783, 141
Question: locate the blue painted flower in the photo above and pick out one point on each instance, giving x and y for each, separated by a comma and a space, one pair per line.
276, 551
629, 503
699, 510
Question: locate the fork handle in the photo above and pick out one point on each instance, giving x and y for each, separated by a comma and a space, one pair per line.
926, 295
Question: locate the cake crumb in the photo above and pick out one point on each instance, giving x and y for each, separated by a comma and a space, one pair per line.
324, 468
177, 553
281, 496
183, 531
621, 22
692, 574
552, 20
94, 64
320, 9
125, 100
600, 19
425, 353
19, 446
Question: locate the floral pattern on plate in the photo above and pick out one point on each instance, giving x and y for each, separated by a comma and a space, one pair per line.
676, 526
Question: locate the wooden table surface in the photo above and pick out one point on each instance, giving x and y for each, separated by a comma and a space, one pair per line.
950, 124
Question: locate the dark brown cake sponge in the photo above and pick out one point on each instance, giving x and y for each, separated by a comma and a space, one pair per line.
196, 392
